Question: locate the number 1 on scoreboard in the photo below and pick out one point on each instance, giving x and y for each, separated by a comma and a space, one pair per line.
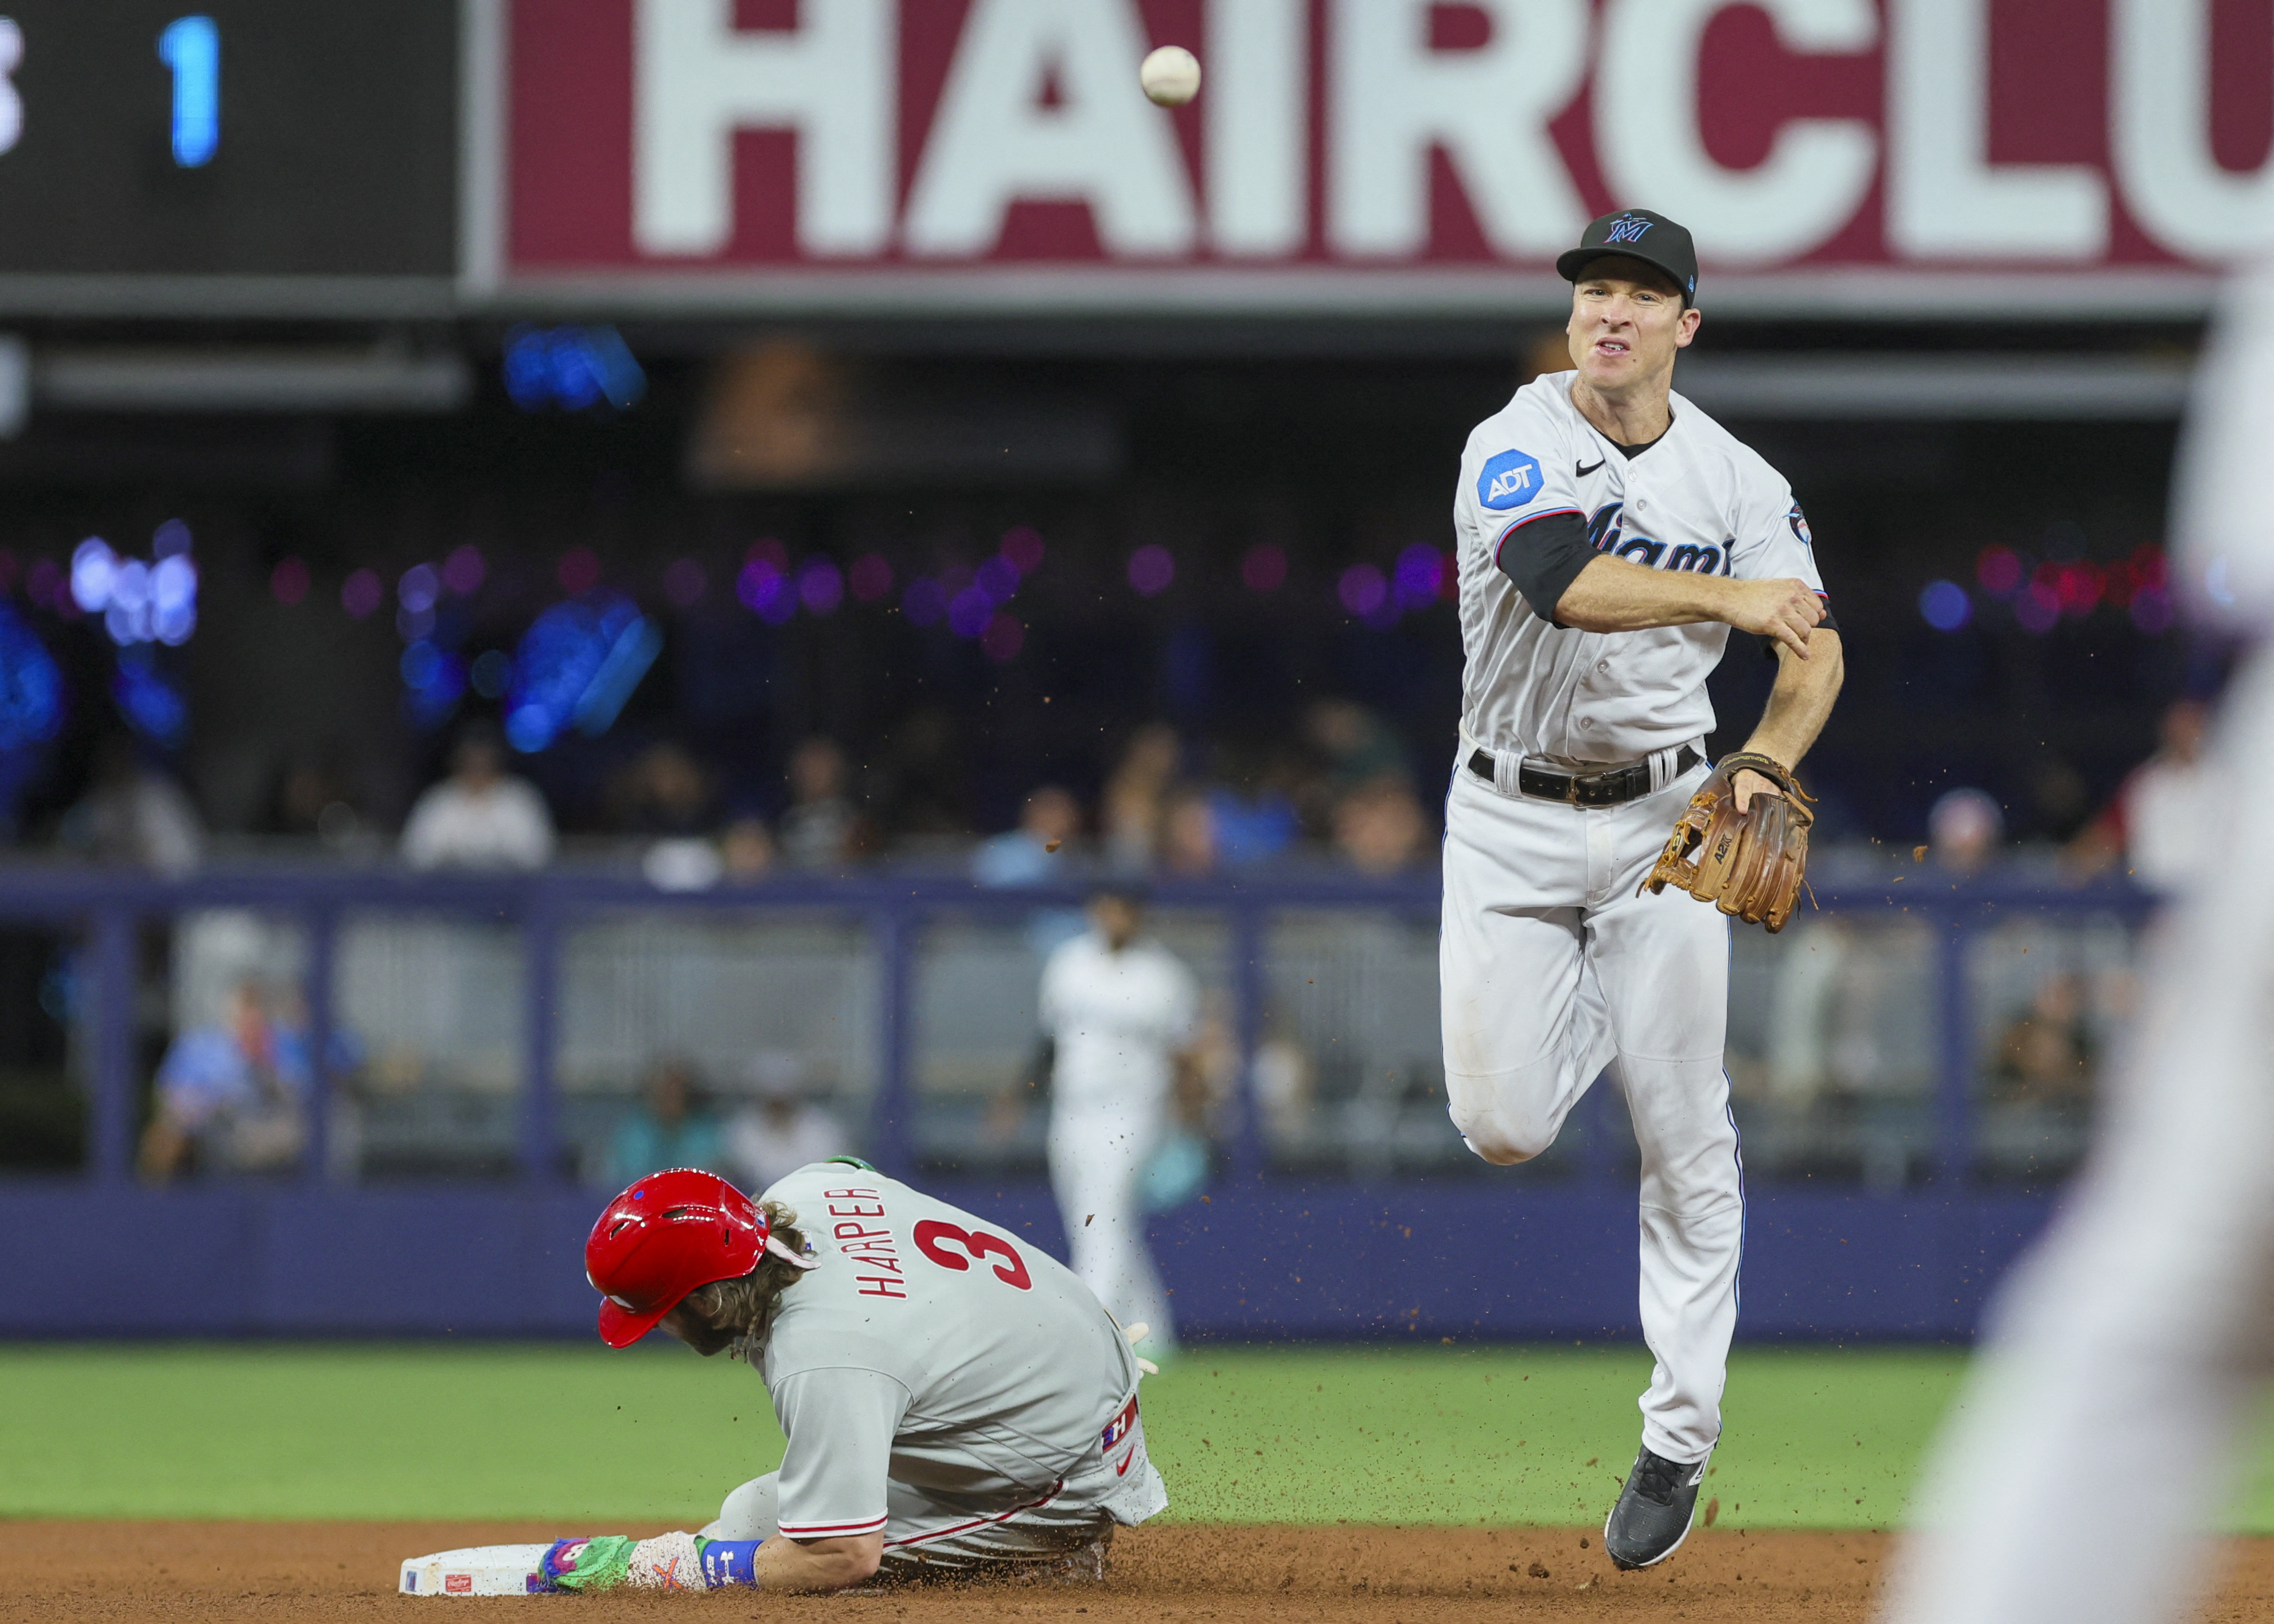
190, 46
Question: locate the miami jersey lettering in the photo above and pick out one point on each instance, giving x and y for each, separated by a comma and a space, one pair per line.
1697, 502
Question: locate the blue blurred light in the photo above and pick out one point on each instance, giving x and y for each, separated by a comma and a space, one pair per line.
1420, 571
435, 679
576, 666
968, 614
31, 685
572, 368
190, 46
139, 602
93, 566
1945, 605
418, 588
820, 585
998, 578
152, 705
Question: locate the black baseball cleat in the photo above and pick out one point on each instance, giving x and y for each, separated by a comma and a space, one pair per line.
1652, 1517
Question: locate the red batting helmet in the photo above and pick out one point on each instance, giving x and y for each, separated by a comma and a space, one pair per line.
667, 1235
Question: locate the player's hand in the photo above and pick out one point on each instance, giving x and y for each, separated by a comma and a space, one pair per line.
1748, 784
1786, 610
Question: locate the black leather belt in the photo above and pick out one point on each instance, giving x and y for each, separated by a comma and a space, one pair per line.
1612, 786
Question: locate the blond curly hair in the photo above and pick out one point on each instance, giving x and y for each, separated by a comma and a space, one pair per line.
742, 1310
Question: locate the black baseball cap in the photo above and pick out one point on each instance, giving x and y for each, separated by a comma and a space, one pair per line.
1637, 234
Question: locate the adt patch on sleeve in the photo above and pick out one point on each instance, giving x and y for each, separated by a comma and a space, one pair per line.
1509, 480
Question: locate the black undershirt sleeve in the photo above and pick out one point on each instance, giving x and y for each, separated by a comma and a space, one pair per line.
1543, 556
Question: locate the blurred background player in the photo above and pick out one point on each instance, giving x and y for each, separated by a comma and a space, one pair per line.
2097, 1440
1122, 1014
952, 1402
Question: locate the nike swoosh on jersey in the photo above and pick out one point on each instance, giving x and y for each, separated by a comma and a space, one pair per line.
1588, 467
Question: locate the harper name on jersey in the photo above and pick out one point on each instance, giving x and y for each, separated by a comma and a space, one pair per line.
1697, 500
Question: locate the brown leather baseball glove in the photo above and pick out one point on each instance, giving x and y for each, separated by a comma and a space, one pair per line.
1751, 863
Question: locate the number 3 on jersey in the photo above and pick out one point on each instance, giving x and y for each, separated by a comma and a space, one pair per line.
1509, 480
934, 1239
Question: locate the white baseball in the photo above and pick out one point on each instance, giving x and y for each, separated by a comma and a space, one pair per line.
1170, 76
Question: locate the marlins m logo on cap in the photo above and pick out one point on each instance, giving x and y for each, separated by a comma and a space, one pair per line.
1627, 228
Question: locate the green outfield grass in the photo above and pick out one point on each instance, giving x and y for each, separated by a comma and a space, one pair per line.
1816, 1438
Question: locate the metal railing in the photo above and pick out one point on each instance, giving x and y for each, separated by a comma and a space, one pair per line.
108, 911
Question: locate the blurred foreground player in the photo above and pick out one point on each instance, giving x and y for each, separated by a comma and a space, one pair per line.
953, 1400
2096, 1440
1611, 535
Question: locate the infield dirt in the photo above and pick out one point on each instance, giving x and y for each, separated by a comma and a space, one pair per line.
67, 1572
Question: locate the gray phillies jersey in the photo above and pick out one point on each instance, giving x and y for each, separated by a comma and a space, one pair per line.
932, 1348
1697, 499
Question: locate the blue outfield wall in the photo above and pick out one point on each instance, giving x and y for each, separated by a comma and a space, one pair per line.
1265, 1260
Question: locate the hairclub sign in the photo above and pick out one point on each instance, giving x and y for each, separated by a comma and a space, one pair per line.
1371, 156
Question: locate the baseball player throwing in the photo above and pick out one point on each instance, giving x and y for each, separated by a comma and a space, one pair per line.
953, 1400
1610, 535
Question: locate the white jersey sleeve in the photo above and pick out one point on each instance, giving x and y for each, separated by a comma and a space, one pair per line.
1518, 468
1769, 538
840, 1422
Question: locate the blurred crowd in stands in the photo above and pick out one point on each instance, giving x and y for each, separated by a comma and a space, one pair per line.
1342, 792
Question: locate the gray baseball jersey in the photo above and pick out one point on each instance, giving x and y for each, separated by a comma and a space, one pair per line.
931, 1348
1696, 500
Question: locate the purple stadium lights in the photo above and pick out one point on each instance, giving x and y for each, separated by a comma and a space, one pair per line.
998, 578
1264, 567
2000, 571
2036, 608
1003, 638
767, 592
1151, 570
970, 611
287, 582
925, 602
1363, 590
360, 593
465, 569
579, 571
684, 583
1415, 584
1945, 605
871, 577
1022, 545
417, 591
2152, 610
820, 585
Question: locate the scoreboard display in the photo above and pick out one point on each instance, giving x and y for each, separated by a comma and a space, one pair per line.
214, 138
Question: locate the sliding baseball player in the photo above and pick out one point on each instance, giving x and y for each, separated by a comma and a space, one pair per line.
953, 1400
1610, 535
